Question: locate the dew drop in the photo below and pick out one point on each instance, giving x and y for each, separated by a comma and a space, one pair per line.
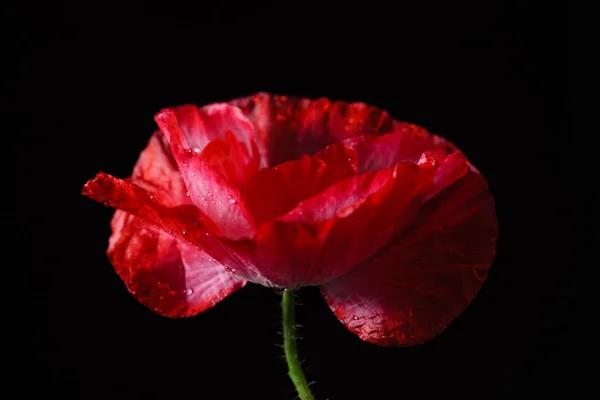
184, 233
355, 318
232, 201
346, 211
151, 197
196, 150
188, 291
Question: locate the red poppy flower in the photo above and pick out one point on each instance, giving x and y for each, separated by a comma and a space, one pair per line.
393, 224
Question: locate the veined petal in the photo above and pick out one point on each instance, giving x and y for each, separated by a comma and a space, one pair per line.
324, 235
411, 290
289, 127
209, 189
201, 125
186, 223
407, 144
448, 169
272, 192
166, 274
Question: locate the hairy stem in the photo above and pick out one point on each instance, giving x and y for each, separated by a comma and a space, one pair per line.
291, 349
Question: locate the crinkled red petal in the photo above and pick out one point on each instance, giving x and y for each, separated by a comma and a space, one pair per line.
448, 169
326, 235
272, 192
186, 223
210, 190
410, 144
411, 290
168, 275
288, 127
201, 125
157, 171
231, 158
406, 144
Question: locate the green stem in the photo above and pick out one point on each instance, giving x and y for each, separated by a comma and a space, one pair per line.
291, 350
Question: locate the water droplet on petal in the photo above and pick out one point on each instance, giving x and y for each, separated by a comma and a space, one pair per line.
355, 318
232, 201
187, 194
188, 292
184, 233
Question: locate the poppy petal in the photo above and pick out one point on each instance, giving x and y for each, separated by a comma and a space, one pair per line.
272, 192
166, 274
209, 190
186, 223
289, 127
408, 143
201, 125
324, 236
231, 158
411, 290
449, 168
157, 171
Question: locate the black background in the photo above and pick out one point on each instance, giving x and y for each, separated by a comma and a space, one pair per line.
489, 76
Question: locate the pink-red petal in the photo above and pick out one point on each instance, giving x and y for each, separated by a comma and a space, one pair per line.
449, 168
272, 192
166, 274
289, 127
410, 291
407, 144
231, 158
209, 190
157, 171
338, 228
186, 223
201, 125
